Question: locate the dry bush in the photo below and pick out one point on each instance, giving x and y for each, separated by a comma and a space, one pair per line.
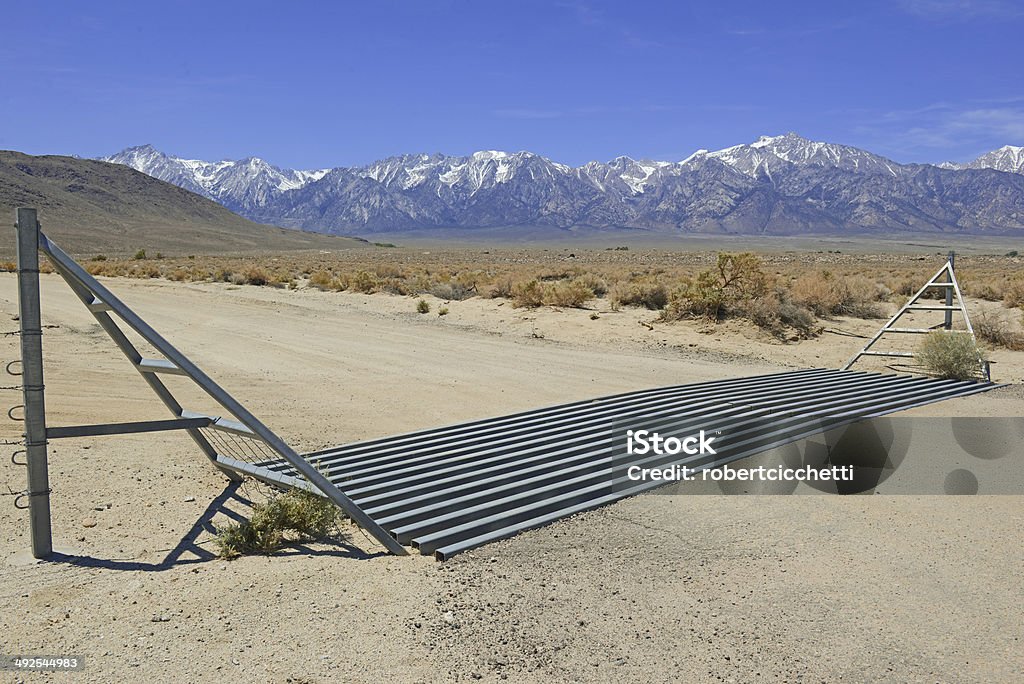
8, 267
255, 275
1013, 294
321, 280
573, 293
653, 296
951, 355
178, 275
529, 294
993, 329
983, 288
362, 281
826, 295
452, 291
597, 285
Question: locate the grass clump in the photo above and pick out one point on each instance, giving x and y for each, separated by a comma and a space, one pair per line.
951, 355
295, 515
423, 306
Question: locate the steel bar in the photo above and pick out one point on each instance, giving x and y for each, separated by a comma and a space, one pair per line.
126, 428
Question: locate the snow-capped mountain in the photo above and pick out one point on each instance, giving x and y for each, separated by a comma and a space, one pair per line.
779, 184
241, 185
771, 153
1008, 158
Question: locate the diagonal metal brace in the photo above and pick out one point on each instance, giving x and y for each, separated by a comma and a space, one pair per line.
84, 283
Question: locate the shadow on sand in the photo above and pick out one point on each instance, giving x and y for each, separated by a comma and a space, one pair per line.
189, 550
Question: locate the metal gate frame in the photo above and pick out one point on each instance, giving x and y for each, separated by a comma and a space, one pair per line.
944, 278
104, 306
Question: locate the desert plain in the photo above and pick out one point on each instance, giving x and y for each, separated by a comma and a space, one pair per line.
653, 588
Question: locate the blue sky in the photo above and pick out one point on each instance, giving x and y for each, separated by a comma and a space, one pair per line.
308, 84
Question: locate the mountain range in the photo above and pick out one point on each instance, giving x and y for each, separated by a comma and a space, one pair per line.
782, 184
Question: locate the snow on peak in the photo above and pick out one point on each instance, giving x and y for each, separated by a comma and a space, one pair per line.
484, 155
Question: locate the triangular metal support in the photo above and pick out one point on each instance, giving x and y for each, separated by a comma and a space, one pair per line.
954, 302
104, 306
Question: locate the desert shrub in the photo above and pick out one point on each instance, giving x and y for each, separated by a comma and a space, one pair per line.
140, 255
443, 311
8, 267
423, 306
993, 329
362, 281
572, 293
528, 294
145, 271
798, 318
594, 283
99, 257
952, 355
651, 296
1013, 293
221, 275
178, 274
255, 275
715, 294
985, 290
826, 295
452, 291
296, 514
321, 280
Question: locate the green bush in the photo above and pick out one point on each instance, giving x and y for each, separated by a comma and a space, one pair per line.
951, 355
295, 514
727, 290
423, 306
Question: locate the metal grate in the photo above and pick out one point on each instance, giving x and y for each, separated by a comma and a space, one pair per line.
450, 489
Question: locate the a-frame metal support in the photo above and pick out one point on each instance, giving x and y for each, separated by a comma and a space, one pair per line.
104, 307
945, 278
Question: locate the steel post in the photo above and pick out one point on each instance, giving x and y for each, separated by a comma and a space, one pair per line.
948, 325
32, 382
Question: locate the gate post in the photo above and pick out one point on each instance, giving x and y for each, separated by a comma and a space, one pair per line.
32, 382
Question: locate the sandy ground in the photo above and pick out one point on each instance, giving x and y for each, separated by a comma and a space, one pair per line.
656, 588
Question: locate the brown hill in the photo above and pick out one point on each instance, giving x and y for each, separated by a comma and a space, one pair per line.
90, 207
